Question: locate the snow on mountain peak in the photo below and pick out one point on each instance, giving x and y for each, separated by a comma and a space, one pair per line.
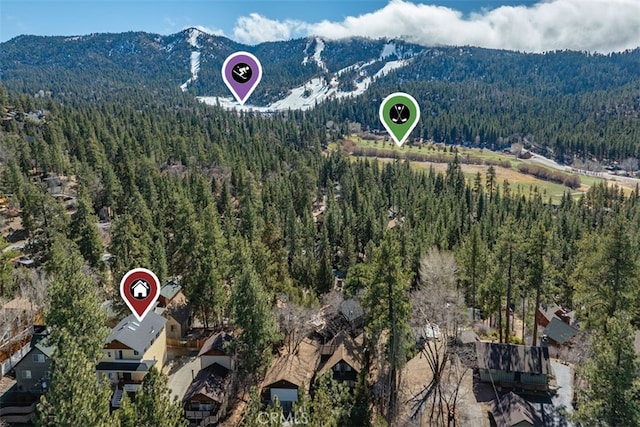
193, 37
388, 49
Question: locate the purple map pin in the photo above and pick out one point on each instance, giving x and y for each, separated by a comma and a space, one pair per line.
241, 73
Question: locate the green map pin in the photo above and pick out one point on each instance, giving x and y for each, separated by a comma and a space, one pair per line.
399, 113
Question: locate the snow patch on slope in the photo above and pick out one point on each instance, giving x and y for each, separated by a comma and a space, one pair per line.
303, 97
390, 66
388, 49
195, 68
317, 90
306, 55
193, 38
318, 52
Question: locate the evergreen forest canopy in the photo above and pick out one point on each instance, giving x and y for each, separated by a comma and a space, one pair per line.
229, 203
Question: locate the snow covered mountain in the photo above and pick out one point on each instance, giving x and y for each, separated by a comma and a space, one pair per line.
331, 83
297, 74
327, 77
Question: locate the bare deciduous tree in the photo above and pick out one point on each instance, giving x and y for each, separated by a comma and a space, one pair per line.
331, 302
33, 287
439, 398
438, 300
295, 324
630, 164
438, 310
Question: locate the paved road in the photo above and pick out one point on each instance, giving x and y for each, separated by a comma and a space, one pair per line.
180, 379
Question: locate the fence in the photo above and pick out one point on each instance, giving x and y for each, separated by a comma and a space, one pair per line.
194, 344
8, 364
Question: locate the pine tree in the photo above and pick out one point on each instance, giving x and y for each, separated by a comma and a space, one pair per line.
324, 276
253, 316
126, 415
331, 403
84, 232
253, 416
612, 378
607, 274
154, 406
388, 308
74, 307
74, 397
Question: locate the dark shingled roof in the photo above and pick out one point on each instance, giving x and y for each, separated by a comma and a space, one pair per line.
512, 410
559, 331
211, 382
216, 342
513, 358
137, 335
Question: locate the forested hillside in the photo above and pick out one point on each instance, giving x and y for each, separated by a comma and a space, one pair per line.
230, 203
562, 104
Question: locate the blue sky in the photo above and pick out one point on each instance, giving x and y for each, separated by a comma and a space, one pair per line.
528, 25
55, 17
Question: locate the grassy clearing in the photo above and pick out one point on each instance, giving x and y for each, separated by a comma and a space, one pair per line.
519, 183
434, 149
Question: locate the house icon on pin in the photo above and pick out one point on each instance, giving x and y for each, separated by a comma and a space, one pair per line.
140, 289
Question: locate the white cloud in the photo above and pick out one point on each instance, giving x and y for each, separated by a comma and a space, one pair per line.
591, 25
209, 30
255, 28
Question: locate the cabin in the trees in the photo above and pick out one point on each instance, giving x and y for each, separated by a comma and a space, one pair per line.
545, 313
33, 371
558, 323
512, 410
131, 349
342, 357
215, 350
559, 332
207, 395
284, 377
516, 367
173, 305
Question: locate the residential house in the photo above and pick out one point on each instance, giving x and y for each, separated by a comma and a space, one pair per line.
545, 313
284, 377
517, 367
33, 371
558, 323
208, 394
512, 410
173, 305
341, 356
131, 349
559, 332
214, 350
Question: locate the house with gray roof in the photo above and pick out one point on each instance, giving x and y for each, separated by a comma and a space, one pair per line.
517, 367
33, 371
130, 350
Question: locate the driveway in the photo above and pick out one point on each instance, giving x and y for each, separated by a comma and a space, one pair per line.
564, 396
181, 372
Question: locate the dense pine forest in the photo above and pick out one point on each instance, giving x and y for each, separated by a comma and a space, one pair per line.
248, 210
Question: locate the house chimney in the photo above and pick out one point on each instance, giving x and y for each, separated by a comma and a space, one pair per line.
544, 342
